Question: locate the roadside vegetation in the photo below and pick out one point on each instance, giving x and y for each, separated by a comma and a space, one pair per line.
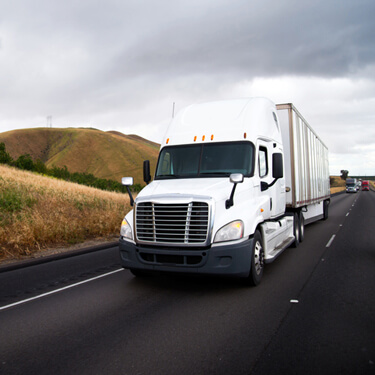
38, 212
337, 184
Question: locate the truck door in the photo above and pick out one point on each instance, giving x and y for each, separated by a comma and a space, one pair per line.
275, 193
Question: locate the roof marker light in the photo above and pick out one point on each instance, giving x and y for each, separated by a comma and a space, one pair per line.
167, 141
212, 137
244, 135
203, 138
195, 138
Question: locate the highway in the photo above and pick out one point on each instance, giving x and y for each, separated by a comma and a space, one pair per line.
313, 313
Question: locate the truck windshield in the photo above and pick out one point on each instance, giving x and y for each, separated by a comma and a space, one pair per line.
205, 160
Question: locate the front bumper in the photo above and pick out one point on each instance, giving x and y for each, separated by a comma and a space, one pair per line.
231, 259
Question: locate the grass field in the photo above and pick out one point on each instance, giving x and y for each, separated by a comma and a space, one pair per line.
39, 212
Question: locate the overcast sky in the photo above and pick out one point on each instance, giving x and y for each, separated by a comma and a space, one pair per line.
121, 64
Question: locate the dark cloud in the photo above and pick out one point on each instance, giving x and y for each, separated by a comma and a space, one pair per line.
125, 62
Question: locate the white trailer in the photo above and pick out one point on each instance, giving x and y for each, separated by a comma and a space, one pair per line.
234, 184
306, 164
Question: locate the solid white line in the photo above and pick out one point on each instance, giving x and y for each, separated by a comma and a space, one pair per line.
58, 290
330, 241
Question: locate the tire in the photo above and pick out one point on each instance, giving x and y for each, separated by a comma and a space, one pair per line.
138, 273
296, 229
325, 210
257, 260
301, 222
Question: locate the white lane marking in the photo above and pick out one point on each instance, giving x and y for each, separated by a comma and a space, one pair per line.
331, 240
294, 301
58, 290
347, 214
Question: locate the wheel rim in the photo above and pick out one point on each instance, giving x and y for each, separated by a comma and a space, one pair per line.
296, 228
258, 258
302, 229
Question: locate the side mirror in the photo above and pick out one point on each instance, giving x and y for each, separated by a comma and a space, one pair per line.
277, 166
146, 171
235, 178
277, 171
128, 181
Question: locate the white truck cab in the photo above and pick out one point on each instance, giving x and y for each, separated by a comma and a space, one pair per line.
218, 201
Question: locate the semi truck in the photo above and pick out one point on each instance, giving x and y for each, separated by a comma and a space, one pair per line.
365, 185
351, 185
235, 183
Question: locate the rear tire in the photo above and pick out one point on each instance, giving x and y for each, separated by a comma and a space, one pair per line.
325, 210
257, 260
301, 221
139, 273
296, 230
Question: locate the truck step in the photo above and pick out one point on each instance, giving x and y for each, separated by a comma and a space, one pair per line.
272, 255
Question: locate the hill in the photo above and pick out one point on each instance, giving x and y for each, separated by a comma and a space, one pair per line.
109, 155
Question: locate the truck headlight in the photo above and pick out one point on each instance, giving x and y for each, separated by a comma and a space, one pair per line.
230, 232
126, 230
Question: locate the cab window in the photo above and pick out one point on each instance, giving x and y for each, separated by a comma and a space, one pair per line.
263, 164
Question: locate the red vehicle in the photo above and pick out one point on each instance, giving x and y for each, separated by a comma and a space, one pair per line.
365, 186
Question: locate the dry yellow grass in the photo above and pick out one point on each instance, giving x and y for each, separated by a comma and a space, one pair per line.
38, 212
337, 184
337, 189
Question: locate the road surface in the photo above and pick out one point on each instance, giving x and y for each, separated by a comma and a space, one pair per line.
313, 313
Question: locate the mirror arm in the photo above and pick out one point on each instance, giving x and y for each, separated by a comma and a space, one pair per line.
229, 202
265, 186
130, 196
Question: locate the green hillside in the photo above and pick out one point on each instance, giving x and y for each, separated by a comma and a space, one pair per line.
109, 155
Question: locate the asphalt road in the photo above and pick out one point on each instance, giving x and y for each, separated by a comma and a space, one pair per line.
313, 313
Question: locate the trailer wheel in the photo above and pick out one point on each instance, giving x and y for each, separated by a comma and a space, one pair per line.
296, 230
325, 210
257, 260
301, 221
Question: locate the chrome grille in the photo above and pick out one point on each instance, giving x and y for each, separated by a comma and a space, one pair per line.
178, 223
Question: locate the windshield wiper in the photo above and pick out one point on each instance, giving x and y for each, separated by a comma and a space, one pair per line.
215, 173
168, 175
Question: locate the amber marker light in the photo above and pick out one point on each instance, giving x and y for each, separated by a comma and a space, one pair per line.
212, 137
195, 138
167, 141
203, 138
244, 135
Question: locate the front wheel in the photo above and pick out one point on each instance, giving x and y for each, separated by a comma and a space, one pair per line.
257, 260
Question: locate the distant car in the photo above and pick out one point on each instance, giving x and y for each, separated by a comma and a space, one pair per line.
365, 186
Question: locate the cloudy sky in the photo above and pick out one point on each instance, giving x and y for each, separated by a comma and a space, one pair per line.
121, 64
